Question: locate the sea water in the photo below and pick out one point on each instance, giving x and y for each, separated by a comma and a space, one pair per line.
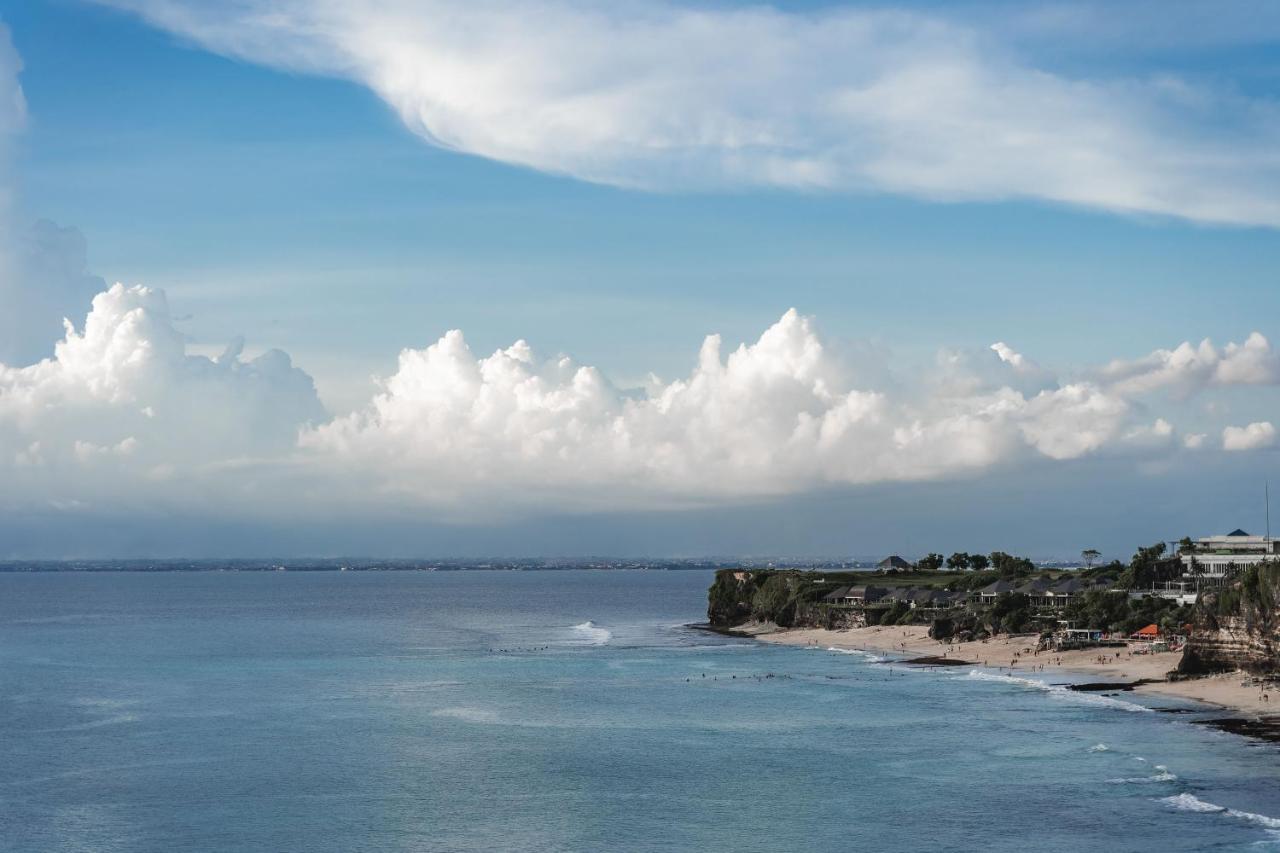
549, 711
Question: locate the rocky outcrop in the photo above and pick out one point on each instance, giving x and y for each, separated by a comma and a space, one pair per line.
788, 599
729, 598
1236, 628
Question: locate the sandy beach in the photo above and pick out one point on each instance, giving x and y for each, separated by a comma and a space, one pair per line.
1016, 655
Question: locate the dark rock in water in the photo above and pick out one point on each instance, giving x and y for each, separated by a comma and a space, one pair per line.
1258, 728
717, 629
1102, 686
934, 660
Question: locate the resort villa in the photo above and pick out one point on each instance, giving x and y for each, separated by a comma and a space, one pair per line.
1215, 561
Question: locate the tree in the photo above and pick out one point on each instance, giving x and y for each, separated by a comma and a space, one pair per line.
1186, 546
1090, 555
1144, 569
1009, 613
959, 560
930, 563
1010, 566
979, 562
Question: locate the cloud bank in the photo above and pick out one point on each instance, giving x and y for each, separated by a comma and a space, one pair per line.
122, 413
668, 97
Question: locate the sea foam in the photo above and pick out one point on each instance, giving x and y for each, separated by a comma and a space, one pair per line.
1059, 692
590, 634
1192, 803
867, 656
1162, 774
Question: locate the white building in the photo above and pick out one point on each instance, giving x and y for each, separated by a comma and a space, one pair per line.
1217, 559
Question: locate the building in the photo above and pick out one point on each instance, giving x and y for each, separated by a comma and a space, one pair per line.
892, 562
989, 593
1216, 560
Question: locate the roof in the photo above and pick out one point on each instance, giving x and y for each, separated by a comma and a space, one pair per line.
893, 561
1237, 532
1149, 631
1070, 586
838, 592
997, 587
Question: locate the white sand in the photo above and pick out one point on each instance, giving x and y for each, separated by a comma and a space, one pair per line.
1015, 654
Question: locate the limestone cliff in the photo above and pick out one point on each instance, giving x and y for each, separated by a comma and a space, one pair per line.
1236, 627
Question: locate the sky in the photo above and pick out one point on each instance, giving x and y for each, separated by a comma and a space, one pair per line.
310, 277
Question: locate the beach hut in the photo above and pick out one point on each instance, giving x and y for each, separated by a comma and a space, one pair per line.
1149, 633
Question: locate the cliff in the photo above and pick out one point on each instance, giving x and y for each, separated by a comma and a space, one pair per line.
787, 598
1236, 627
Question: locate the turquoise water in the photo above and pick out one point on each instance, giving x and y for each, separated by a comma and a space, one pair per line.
554, 711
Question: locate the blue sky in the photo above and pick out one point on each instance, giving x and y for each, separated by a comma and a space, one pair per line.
297, 209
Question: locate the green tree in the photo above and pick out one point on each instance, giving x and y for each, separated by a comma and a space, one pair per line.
1090, 555
930, 563
979, 562
959, 560
1010, 566
1010, 613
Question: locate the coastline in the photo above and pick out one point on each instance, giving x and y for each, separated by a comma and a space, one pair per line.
1014, 655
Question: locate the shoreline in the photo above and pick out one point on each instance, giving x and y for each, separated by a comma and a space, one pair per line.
1014, 655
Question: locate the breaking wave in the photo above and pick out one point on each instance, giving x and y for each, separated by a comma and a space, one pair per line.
1099, 747
1162, 774
867, 656
1059, 692
1192, 803
590, 634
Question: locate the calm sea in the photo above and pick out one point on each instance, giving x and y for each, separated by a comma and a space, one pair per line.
550, 711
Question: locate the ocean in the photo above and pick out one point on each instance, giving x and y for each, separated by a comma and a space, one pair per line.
556, 711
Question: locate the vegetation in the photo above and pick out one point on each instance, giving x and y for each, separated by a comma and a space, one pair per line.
793, 597
930, 562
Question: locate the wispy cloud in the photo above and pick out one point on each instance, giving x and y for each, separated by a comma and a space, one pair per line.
661, 96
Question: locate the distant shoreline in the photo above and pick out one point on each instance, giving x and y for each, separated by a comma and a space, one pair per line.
214, 566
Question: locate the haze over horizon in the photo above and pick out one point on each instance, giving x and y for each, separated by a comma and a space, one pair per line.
303, 277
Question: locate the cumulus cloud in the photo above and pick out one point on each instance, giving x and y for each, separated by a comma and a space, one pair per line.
1256, 436
772, 417
122, 411
122, 405
1187, 368
665, 96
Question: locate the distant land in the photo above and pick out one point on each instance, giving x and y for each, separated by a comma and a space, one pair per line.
404, 564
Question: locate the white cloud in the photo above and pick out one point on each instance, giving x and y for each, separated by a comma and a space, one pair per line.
1186, 368
773, 417
123, 413
1256, 436
665, 96
122, 404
